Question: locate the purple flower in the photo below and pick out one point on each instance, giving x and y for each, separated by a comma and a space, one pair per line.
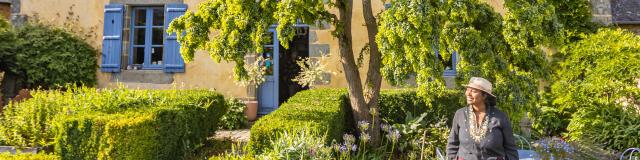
354, 148
365, 137
363, 126
343, 148
373, 111
385, 127
349, 139
312, 152
393, 136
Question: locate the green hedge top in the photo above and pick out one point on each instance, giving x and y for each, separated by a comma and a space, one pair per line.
32, 122
322, 111
396, 104
28, 156
328, 111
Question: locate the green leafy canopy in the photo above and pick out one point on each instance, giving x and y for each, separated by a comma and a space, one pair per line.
229, 30
507, 50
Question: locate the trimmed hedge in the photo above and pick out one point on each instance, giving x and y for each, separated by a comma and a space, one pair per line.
324, 111
395, 104
85, 123
328, 111
28, 156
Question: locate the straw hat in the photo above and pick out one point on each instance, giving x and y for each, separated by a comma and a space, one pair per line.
481, 84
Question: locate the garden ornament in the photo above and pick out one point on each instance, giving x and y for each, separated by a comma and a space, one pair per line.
481, 84
632, 153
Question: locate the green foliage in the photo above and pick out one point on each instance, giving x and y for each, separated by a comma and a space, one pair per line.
299, 144
323, 111
428, 129
506, 52
395, 105
609, 125
242, 27
575, 17
48, 56
7, 56
28, 156
596, 88
86, 123
234, 119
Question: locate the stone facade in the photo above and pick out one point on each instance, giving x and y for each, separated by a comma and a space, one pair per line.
601, 10
625, 11
626, 14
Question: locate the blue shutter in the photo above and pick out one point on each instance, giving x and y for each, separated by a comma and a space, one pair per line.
173, 61
112, 38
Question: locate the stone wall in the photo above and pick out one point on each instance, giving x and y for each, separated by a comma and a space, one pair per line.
601, 10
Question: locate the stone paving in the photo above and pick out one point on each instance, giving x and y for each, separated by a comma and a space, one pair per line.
241, 135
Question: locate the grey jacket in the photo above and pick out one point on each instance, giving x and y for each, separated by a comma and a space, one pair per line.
498, 141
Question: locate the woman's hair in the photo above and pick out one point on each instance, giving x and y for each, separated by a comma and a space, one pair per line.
489, 100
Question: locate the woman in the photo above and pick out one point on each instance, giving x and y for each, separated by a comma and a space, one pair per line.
480, 130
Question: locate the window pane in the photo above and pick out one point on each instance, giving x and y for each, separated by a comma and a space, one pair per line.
158, 34
158, 17
156, 55
138, 55
267, 65
141, 17
139, 34
448, 63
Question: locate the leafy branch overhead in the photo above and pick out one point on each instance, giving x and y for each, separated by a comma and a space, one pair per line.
508, 51
230, 30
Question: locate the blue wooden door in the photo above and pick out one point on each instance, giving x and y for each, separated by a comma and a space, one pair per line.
268, 90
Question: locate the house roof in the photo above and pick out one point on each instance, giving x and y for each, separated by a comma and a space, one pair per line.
625, 11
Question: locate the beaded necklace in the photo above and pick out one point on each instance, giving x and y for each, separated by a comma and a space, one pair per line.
478, 132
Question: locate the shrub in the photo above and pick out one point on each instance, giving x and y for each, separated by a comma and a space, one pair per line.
234, 119
28, 156
48, 56
85, 123
323, 111
327, 110
612, 126
396, 104
597, 88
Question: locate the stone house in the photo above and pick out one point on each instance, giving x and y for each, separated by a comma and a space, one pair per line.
137, 53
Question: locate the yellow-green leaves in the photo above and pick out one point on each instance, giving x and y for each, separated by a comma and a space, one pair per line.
230, 29
506, 52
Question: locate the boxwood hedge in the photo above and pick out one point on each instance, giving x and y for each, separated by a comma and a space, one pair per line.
86, 123
328, 111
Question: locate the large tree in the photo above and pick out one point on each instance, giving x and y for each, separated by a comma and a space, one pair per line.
241, 28
507, 49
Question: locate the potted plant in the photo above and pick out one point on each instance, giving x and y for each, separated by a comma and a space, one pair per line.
255, 76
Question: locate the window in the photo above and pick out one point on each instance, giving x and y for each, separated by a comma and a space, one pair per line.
148, 46
449, 64
147, 37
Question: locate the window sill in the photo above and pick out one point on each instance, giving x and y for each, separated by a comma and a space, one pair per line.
143, 76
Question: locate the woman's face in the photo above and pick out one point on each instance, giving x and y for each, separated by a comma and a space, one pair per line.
474, 96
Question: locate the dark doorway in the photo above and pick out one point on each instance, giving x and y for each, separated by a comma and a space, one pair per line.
289, 69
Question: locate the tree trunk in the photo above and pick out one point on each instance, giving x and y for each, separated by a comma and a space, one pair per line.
343, 30
10, 86
374, 78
